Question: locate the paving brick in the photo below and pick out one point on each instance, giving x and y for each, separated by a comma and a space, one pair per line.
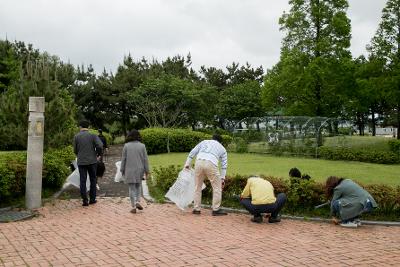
106, 234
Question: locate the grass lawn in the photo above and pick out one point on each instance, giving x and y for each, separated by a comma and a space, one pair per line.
253, 164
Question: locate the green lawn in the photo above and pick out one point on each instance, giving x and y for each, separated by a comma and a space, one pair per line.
253, 164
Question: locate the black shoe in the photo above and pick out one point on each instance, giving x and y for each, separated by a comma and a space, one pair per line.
257, 219
274, 219
196, 212
219, 213
92, 202
85, 204
138, 206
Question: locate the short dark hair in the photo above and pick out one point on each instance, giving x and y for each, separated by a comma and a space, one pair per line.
294, 172
84, 124
217, 137
133, 135
100, 131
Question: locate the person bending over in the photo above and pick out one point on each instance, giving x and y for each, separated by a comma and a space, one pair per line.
209, 153
348, 201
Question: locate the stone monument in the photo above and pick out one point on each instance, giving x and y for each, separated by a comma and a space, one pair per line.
34, 165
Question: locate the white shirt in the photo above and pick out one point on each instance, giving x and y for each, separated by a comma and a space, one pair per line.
212, 151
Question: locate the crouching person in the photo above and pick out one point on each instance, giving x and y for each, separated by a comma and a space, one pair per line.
348, 201
258, 197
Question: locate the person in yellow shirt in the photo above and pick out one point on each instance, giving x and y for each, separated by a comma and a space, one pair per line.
258, 197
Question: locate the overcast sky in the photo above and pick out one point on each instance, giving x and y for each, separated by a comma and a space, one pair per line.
215, 32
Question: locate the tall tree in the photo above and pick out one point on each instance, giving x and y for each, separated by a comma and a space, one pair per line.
385, 46
308, 78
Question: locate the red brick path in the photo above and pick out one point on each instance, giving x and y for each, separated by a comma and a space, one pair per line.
106, 234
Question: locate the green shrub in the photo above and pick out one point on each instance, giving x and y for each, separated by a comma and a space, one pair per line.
108, 136
303, 195
394, 146
56, 167
13, 171
363, 155
163, 140
241, 145
251, 135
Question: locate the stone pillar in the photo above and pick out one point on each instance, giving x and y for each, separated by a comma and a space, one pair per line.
34, 165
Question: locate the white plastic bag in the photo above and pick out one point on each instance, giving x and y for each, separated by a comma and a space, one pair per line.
182, 191
74, 179
118, 175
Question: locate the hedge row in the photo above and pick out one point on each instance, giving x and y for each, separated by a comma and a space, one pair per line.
163, 140
394, 146
303, 195
363, 155
13, 171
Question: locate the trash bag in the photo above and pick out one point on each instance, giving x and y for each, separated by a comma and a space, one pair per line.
118, 175
182, 191
74, 179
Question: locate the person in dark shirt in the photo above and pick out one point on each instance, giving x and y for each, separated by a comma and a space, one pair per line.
88, 148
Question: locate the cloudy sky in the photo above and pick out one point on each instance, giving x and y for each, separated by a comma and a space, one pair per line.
215, 32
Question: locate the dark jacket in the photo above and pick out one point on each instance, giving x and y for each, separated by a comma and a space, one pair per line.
103, 140
87, 147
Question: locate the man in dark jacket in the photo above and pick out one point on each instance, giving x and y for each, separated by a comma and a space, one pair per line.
87, 148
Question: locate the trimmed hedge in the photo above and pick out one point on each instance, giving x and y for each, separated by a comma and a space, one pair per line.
164, 140
303, 195
394, 146
363, 155
13, 171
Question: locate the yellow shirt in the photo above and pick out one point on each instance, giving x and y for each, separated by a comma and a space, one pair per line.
261, 191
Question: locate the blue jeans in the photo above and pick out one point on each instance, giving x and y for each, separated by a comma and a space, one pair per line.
336, 209
273, 208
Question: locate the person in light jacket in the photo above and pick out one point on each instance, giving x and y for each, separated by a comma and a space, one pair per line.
349, 200
208, 154
134, 167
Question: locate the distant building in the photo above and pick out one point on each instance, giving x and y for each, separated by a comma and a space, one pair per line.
387, 131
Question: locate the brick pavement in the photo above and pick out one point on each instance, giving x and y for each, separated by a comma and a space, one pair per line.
106, 234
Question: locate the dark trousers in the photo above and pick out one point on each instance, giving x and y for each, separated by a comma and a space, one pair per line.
84, 170
273, 208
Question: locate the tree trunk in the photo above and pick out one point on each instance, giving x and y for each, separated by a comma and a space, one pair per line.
398, 122
373, 122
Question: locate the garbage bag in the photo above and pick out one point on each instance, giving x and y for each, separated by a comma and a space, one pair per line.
74, 179
118, 175
182, 191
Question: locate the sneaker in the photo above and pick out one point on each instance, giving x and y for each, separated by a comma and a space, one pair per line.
358, 222
92, 202
350, 224
219, 213
196, 212
138, 206
274, 219
133, 210
257, 219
